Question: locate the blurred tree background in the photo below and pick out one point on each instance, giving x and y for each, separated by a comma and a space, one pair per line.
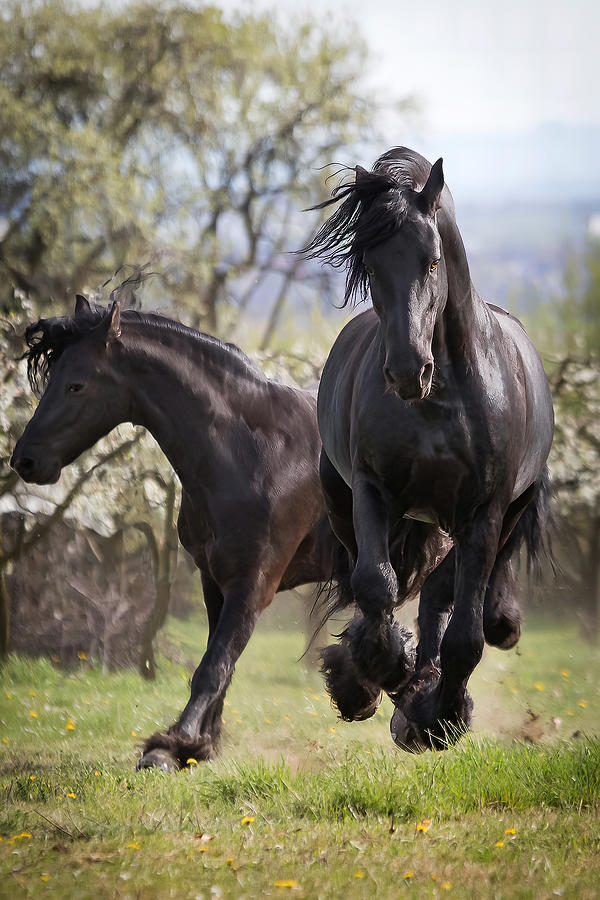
185, 141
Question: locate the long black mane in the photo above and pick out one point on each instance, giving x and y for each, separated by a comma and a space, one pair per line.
374, 207
47, 339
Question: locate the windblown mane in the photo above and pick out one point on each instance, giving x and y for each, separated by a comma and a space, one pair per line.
47, 339
374, 207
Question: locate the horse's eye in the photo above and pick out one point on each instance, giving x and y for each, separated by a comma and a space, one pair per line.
433, 265
75, 388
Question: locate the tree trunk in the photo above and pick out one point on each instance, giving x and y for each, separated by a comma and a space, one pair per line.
4, 614
163, 561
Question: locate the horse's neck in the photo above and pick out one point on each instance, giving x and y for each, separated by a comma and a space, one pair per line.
182, 387
466, 321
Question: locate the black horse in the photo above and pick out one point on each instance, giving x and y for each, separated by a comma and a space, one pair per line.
245, 448
432, 406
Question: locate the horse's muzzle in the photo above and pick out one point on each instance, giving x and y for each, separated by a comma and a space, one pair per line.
410, 387
35, 471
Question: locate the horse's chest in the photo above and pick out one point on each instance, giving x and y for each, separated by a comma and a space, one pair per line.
431, 472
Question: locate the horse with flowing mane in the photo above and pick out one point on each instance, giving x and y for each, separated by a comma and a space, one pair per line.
433, 407
245, 448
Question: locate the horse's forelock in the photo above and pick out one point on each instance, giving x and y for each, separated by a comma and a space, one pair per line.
48, 338
374, 207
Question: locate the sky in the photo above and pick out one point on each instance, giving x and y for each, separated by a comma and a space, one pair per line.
477, 66
508, 92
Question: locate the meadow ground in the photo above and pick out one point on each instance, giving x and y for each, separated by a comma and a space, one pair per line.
300, 804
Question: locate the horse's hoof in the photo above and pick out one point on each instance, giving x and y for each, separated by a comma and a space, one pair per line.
404, 734
369, 710
158, 759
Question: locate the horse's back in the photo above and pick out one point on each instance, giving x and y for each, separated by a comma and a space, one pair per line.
539, 426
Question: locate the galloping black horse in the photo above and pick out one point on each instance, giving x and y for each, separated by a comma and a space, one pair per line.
245, 448
433, 406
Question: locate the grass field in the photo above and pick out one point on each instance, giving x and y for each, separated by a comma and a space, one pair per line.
300, 804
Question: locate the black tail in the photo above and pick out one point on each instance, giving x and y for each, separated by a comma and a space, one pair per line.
534, 529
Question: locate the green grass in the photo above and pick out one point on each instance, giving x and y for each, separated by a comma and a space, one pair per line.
298, 796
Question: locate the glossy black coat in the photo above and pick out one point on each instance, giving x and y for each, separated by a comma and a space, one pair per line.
433, 406
245, 448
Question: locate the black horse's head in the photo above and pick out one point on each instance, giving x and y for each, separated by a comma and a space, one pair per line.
82, 400
386, 233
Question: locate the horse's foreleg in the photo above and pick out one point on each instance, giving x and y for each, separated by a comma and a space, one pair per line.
196, 732
435, 716
379, 646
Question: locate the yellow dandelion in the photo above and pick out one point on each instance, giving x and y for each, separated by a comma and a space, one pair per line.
238, 720
203, 849
33, 714
5, 740
268, 721
32, 693
313, 712
234, 711
44, 877
107, 702
287, 719
435, 877
70, 726
539, 685
81, 654
583, 704
408, 875
510, 831
359, 874
72, 795
565, 673
134, 734
424, 825
287, 883
191, 761
332, 730
32, 777
8, 695
514, 690
229, 860
368, 751
315, 696
20, 837
247, 820
446, 886
133, 845
499, 844
96, 772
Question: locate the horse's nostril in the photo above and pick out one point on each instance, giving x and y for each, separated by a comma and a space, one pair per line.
24, 465
426, 374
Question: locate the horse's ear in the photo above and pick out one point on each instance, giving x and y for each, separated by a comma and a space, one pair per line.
428, 199
82, 306
113, 322
362, 178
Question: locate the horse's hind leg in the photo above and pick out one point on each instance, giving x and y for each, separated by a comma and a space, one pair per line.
501, 613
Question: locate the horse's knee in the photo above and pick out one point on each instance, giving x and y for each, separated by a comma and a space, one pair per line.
375, 587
